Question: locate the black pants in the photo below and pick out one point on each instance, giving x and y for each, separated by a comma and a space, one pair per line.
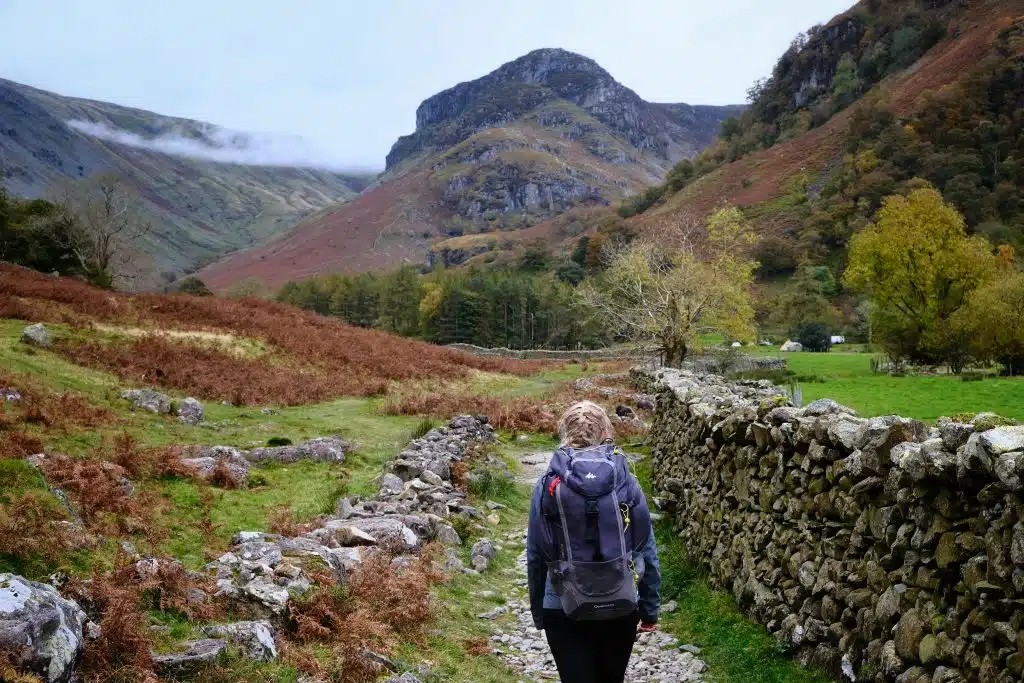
590, 651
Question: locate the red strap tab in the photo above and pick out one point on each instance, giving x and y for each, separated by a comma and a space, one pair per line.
553, 485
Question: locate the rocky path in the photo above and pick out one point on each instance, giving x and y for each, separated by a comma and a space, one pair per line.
657, 657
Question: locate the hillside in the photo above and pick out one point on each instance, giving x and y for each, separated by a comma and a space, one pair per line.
837, 127
545, 133
202, 208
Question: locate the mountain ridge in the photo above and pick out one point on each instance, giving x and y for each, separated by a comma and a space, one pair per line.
532, 139
201, 209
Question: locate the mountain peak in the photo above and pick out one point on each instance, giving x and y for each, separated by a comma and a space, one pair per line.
543, 67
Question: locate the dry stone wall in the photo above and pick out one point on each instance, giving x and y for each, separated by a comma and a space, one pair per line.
876, 549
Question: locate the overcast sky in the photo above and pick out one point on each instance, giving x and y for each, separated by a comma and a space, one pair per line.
348, 76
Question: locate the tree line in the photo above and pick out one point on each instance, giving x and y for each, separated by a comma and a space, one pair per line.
491, 307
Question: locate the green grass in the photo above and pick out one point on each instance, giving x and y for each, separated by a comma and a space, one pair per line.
847, 378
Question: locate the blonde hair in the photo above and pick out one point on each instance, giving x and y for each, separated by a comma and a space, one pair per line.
584, 424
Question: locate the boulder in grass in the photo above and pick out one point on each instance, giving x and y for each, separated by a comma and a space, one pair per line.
791, 347
35, 335
147, 399
190, 411
42, 627
191, 656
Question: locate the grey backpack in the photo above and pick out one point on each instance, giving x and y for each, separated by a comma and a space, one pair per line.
594, 528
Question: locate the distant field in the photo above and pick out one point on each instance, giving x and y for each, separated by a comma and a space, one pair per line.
847, 378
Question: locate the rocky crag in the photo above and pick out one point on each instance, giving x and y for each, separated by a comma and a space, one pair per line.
543, 134
547, 131
876, 549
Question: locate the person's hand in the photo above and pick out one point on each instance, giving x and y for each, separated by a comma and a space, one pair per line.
645, 627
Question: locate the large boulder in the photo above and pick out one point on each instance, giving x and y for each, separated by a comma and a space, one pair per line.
37, 622
791, 347
323, 449
210, 458
147, 399
35, 335
190, 411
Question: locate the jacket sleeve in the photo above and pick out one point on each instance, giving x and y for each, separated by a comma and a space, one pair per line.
536, 562
649, 588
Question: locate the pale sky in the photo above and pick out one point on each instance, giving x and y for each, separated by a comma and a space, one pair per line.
348, 76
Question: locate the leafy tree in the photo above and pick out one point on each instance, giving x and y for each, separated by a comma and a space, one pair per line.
803, 302
993, 320
30, 238
571, 272
399, 306
579, 253
814, 337
918, 266
536, 258
846, 84
672, 297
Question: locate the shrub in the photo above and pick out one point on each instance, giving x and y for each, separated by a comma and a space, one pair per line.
276, 441
814, 337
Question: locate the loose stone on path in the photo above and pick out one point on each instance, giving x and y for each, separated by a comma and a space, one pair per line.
658, 657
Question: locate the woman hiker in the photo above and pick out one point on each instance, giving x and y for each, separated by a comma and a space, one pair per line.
592, 564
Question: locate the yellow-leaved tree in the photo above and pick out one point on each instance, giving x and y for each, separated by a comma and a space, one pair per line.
918, 265
993, 319
674, 290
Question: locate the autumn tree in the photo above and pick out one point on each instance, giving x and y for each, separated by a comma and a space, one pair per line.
672, 295
918, 265
99, 220
993, 320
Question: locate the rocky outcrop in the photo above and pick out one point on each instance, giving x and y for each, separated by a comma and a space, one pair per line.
147, 399
415, 501
208, 460
876, 549
41, 628
547, 75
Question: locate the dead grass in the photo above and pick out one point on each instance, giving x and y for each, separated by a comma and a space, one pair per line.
119, 601
13, 669
381, 605
19, 444
101, 494
145, 463
521, 414
310, 358
34, 529
41, 408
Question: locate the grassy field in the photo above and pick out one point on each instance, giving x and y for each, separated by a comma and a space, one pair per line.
846, 377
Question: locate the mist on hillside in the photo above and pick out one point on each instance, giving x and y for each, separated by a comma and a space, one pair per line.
222, 145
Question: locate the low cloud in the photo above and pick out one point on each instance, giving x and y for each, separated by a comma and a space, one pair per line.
221, 145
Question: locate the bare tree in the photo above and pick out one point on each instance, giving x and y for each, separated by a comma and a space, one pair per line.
100, 219
675, 295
